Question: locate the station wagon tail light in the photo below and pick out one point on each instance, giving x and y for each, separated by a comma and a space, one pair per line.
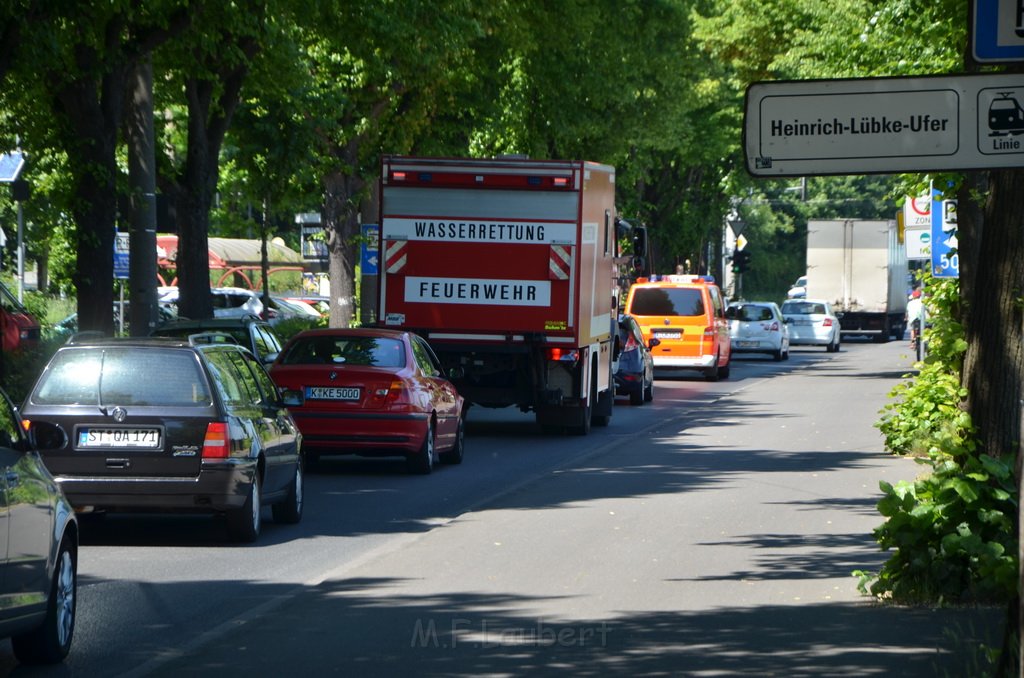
215, 445
631, 344
774, 327
568, 355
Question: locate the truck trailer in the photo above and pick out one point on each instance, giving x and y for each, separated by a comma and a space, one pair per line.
860, 267
509, 269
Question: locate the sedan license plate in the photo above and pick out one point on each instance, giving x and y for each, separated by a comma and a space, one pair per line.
668, 335
331, 393
122, 438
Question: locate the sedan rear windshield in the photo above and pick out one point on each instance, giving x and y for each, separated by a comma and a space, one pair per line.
341, 350
803, 308
123, 376
667, 301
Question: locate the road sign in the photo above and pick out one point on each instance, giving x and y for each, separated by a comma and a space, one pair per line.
741, 242
868, 125
919, 243
945, 258
10, 166
917, 211
121, 256
370, 249
997, 31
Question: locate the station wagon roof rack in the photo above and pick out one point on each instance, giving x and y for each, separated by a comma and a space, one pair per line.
211, 338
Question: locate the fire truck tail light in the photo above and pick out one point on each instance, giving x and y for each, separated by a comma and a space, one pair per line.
398, 176
564, 354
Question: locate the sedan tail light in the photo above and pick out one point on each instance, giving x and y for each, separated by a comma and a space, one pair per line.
397, 394
215, 445
827, 322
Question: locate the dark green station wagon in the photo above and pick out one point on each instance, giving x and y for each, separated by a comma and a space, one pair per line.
159, 424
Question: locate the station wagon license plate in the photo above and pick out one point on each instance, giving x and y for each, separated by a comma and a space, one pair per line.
138, 438
331, 393
668, 335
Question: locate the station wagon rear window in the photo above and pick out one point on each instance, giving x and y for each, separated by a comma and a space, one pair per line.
123, 376
667, 301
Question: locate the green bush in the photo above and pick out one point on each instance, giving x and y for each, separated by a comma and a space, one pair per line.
952, 532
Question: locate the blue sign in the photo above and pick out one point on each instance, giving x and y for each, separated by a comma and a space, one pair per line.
998, 33
945, 256
121, 259
370, 249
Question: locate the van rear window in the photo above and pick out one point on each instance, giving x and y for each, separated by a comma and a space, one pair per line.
667, 301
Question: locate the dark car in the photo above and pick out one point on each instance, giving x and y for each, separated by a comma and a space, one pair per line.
170, 425
372, 392
634, 367
249, 331
39, 571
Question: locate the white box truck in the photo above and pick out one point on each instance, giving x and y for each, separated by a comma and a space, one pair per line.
860, 267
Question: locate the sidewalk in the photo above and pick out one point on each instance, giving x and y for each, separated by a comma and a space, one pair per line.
719, 542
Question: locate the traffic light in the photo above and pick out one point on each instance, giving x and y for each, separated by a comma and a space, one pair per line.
740, 261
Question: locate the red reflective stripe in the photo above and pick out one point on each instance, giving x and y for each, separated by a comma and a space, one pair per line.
395, 255
559, 262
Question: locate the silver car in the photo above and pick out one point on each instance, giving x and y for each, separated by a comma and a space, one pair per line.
811, 323
758, 327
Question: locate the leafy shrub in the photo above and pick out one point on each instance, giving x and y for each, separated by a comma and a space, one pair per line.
953, 531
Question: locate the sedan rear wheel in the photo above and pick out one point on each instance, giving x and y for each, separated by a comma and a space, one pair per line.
245, 522
423, 461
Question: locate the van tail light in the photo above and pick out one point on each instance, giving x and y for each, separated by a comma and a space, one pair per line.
827, 322
710, 331
215, 445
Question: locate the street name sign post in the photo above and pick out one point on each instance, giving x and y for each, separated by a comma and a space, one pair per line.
884, 125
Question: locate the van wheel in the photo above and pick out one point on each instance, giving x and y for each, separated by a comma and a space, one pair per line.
712, 373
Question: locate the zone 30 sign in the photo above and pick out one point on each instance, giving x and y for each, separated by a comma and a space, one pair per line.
873, 125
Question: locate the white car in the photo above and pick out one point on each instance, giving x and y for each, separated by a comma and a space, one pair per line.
228, 302
811, 323
758, 327
798, 290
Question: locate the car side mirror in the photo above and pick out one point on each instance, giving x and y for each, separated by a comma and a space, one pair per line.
456, 373
654, 341
787, 320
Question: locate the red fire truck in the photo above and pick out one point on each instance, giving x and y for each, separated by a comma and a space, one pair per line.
508, 268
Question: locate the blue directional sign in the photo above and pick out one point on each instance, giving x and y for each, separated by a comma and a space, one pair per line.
945, 256
998, 31
370, 249
121, 259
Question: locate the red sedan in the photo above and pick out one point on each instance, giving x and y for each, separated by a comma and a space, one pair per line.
371, 392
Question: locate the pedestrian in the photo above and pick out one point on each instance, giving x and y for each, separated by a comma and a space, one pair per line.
915, 308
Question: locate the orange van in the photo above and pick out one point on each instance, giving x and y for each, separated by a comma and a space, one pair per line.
686, 314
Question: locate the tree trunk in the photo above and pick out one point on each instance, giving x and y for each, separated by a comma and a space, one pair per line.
93, 111
341, 223
994, 314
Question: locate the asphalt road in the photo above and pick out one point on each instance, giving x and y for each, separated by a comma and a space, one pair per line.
712, 532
